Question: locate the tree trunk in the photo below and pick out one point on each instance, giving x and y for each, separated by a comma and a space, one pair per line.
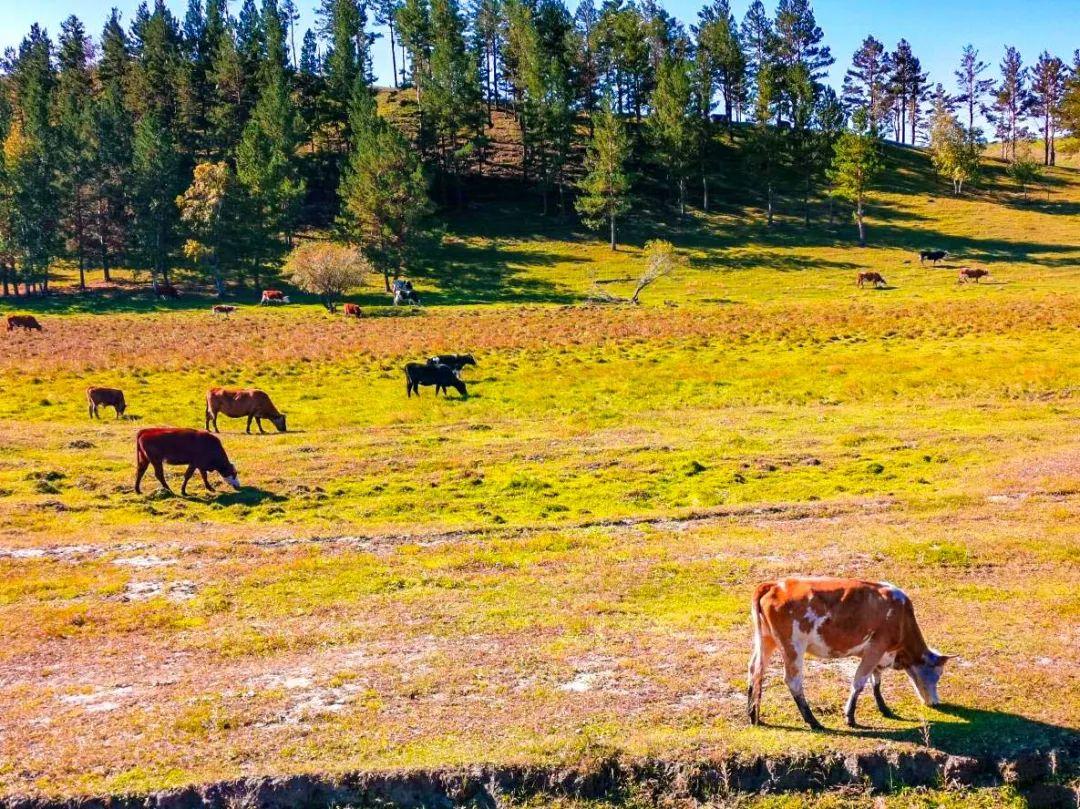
859, 221
613, 245
704, 192
769, 205
393, 52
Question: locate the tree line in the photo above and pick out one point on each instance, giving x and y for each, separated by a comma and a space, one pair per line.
210, 140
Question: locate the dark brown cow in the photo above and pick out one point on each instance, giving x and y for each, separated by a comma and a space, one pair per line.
28, 322
251, 402
351, 310
105, 397
181, 446
223, 309
934, 255
166, 290
273, 296
971, 274
874, 278
830, 618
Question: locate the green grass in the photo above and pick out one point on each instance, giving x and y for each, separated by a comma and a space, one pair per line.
561, 562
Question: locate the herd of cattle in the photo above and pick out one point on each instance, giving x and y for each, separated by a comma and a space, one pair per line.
823, 617
933, 256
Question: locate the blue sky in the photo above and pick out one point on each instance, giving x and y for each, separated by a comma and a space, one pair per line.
936, 29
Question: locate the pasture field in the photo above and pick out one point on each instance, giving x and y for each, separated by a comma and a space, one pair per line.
557, 567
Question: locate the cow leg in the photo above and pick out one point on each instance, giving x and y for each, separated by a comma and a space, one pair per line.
258, 423
90, 409
793, 676
875, 679
207, 419
140, 470
759, 661
206, 481
159, 473
248, 428
187, 476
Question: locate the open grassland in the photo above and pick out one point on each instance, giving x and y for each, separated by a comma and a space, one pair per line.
557, 567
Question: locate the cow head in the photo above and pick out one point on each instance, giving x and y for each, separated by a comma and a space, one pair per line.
925, 674
459, 386
279, 422
121, 406
468, 359
228, 472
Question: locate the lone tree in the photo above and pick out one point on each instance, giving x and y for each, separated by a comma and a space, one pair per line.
326, 270
661, 260
1024, 172
856, 164
605, 188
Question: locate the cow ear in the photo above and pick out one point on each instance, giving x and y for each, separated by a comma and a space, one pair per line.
941, 660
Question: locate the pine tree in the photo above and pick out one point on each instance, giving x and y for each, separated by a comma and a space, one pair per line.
112, 146
156, 179
865, 83
452, 107
1069, 111
30, 194
309, 55
672, 124
799, 52
290, 16
346, 57
75, 121
266, 155
764, 147
386, 14
720, 59
414, 27
605, 188
856, 166
383, 191
1012, 102
972, 88
1048, 78
226, 111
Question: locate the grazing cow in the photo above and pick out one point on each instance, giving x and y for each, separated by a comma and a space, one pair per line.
166, 290
351, 310
404, 292
28, 322
832, 618
223, 309
971, 274
198, 449
874, 278
105, 397
273, 296
455, 361
253, 403
933, 255
441, 376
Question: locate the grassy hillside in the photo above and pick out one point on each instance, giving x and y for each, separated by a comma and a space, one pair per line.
558, 566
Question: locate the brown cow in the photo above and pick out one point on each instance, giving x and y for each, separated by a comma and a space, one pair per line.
828, 617
971, 274
351, 310
28, 322
253, 403
198, 449
874, 278
222, 309
273, 296
105, 397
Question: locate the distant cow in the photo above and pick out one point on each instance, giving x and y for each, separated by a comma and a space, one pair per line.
971, 274
441, 376
874, 278
351, 310
253, 403
932, 255
273, 296
166, 290
455, 361
222, 309
105, 397
831, 618
28, 322
197, 449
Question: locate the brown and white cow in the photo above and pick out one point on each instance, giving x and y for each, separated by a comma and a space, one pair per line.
830, 617
237, 403
273, 296
105, 397
223, 309
351, 310
28, 322
875, 278
196, 449
971, 274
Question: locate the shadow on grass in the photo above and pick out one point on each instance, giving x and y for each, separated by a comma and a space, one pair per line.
248, 496
972, 732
